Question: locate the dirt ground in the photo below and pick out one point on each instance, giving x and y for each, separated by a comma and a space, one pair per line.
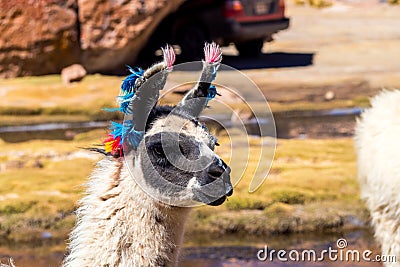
351, 48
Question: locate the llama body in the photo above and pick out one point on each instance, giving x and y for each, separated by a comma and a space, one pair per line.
158, 163
378, 148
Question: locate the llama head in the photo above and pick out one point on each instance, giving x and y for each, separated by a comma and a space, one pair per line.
171, 154
177, 161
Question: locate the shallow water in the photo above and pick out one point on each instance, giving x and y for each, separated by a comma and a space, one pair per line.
303, 124
210, 251
48, 131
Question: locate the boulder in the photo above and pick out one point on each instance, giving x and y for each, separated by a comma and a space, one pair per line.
73, 73
44, 36
114, 32
37, 37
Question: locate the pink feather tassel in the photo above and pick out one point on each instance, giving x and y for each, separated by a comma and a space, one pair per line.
212, 53
169, 56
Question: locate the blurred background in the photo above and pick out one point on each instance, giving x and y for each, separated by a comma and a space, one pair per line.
317, 62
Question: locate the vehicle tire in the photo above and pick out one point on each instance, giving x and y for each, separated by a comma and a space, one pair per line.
250, 48
191, 39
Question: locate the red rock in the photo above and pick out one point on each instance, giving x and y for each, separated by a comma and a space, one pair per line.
114, 32
44, 36
37, 37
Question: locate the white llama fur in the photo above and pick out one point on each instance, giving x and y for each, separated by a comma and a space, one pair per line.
120, 225
378, 148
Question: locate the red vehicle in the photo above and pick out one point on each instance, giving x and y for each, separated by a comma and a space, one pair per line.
246, 23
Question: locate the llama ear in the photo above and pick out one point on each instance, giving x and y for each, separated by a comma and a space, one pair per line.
145, 93
197, 98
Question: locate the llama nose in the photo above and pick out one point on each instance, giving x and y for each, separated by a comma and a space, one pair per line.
230, 192
217, 168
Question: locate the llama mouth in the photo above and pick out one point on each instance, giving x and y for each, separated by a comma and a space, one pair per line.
211, 200
217, 202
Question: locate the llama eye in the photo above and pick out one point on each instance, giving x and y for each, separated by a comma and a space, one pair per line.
161, 159
162, 162
181, 150
158, 151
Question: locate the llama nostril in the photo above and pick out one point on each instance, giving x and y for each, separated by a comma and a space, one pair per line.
218, 168
215, 171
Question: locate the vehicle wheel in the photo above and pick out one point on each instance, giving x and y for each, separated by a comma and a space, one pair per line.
191, 39
250, 48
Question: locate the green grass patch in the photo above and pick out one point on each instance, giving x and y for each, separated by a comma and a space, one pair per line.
312, 187
240, 203
290, 196
16, 207
34, 199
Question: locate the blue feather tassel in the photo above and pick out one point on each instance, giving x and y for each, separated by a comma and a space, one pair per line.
126, 131
120, 132
116, 129
110, 109
130, 134
126, 128
134, 137
129, 82
124, 102
212, 91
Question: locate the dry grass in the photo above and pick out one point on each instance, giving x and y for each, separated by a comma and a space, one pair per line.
312, 187
49, 91
314, 3
47, 96
44, 99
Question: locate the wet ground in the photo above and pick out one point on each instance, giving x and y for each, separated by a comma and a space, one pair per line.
226, 251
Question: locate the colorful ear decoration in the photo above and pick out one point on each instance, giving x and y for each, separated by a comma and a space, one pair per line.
113, 144
139, 95
147, 92
129, 82
169, 57
212, 53
197, 98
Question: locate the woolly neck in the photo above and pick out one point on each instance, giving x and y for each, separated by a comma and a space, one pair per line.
120, 225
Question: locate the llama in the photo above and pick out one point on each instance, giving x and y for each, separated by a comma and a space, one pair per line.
11, 263
139, 195
378, 149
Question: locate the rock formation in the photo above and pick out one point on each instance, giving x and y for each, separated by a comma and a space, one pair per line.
44, 36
